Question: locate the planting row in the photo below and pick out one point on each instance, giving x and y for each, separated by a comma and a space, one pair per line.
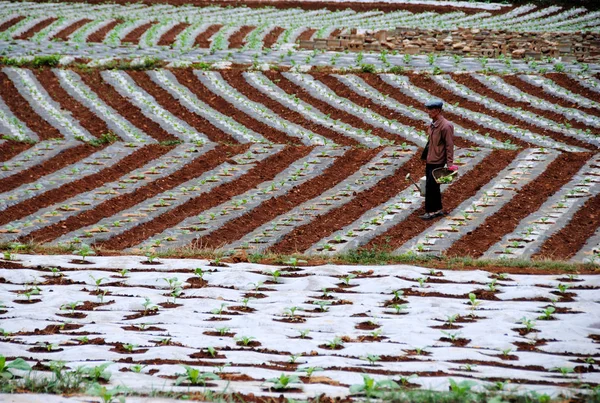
346, 323
305, 109
221, 28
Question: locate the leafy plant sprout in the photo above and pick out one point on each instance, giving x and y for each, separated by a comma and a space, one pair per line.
223, 330
371, 358
244, 340
528, 323
219, 310
194, 376
474, 302
346, 279
293, 358
309, 371
304, 333
322, 305
84, 251
291, 312
547, 313
283, 382
335, 343
399, 308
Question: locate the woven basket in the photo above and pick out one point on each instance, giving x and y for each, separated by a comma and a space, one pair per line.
440, 173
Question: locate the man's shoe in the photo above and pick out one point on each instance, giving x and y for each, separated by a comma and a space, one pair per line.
427, 216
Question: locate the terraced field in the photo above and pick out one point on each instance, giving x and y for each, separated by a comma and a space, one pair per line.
296, 162
151, 129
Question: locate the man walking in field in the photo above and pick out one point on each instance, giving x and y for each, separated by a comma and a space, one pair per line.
438, 152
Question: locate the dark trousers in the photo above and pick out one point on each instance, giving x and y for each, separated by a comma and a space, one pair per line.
433, 196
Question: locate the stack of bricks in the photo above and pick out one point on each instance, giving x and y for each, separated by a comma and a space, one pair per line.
468, 42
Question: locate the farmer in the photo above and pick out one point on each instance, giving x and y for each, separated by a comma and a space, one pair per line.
438, 152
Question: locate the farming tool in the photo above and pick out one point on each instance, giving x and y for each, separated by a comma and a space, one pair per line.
409, 178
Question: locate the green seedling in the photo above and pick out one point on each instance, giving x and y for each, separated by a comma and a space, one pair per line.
322, 305
223, 331
346, 280
547, 313
374, 389
294, 262
461, 390
564, 371
473, 301
335, 343
562, 288
244, 340
96, 373
293, 358
148, 306
129, 347
291, 312
18, 364
310, 370
372, 358
399, 307
304, 333
405, 380
283, 382
84, 251
107, 395
528, 323
219, 310
211, 350
194, 376
137, 368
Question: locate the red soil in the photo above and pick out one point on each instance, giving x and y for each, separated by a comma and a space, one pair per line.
168, 38
301, 238
100, 35
203, 39
61, 160
235, 229
573, 86
204, 163
568, 241
188, 79
36, 28
306, 34
271, 38
10, 149
526, 201
86, 118
463, 188
540, 93
135, 35
237, 81
11, 22
237, 40
63, 35
24, 112
85, 184
263, 171
174, 106
125, 108
558, 118
329, 5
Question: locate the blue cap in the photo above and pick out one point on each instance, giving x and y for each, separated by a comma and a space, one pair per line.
434, 104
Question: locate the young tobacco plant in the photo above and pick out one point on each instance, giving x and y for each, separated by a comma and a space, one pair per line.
194, 376
283, 382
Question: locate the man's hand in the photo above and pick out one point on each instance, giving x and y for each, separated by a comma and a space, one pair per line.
453, 168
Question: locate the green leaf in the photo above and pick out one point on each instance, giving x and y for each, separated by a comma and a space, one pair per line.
19, 364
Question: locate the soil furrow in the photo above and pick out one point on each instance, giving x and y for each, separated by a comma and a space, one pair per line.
329, 5
237, 39
335, 33
565, 243
334, 113
63, 35
10, 149
235, 229
465, 186
24, 112
504, 117
504, 100
572, 85
60, 161
540, 93
36, 28
189, 80
426, 83
203, 39
166, 100
525, 202
135, 160
125, 108
386, 112
263, 171
237, 81
11, 22
100, 35
306, 34
345, 92
271, 38
135, 35
108, 208
303, 237
168, 38
85, 117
